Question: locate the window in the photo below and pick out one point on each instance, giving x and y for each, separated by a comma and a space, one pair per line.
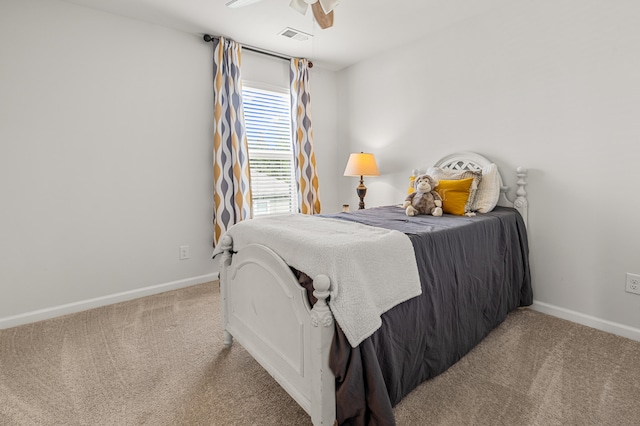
268, 121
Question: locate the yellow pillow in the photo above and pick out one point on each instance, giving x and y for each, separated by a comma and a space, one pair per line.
411, 189
455, 194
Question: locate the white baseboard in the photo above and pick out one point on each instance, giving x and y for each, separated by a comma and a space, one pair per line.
83, 305
69, 308
588, 320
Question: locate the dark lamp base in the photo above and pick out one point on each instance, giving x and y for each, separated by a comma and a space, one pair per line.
361, 190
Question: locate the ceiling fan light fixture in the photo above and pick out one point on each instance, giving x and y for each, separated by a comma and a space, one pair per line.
328, 5
299, 6
322, 10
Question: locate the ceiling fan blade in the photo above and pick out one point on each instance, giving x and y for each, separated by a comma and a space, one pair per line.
325, 20
240, 3
299, 6
328, 5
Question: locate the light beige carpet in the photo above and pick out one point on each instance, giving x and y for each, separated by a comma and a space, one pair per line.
160, 360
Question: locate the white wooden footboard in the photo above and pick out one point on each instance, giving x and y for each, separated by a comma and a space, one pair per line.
267, 311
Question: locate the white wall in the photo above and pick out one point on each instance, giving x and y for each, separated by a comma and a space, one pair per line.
106, 158
552, 86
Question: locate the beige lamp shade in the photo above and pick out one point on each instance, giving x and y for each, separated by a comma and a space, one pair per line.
361, 164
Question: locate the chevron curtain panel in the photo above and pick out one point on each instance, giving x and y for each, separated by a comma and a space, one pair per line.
302, 134
231, 177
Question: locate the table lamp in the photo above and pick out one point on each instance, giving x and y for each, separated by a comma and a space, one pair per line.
361, 164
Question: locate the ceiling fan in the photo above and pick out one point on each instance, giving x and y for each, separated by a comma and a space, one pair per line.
322, 9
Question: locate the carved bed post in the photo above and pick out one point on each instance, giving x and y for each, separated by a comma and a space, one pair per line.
226, 243
521, 203
323, 391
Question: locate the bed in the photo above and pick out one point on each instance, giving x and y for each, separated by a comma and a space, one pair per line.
472, 270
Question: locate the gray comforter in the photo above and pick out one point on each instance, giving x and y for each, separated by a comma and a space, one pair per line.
473, 272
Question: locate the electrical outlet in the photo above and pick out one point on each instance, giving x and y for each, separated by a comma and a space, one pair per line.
633, 283
184, 252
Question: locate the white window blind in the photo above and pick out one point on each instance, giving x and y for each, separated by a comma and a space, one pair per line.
268, 121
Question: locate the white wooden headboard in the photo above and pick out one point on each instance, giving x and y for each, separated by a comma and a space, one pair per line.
476, 162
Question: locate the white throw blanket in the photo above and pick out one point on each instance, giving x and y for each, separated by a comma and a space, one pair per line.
371, 269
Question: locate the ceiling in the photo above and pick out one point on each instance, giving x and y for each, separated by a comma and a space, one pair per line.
362, 28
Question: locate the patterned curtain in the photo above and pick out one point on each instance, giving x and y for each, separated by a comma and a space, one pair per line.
231, 178
304, 157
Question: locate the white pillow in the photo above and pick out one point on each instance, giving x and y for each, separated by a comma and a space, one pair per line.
488, 191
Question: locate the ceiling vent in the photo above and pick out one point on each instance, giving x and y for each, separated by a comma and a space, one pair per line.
295, 34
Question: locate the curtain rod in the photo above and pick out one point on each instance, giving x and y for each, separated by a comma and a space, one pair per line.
209, 38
